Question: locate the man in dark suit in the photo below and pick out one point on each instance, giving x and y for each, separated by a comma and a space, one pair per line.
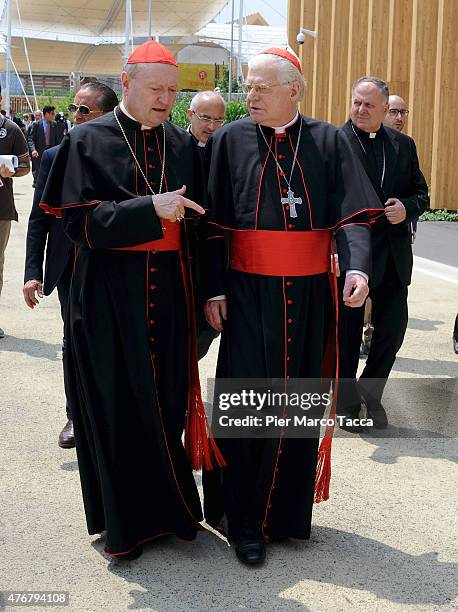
91, 101
42, 135
391, 163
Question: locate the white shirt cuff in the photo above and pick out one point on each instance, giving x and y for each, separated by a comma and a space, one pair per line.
363, 274
218, 297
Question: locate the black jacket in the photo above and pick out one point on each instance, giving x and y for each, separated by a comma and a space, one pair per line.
36, 136
403, 180
45, 230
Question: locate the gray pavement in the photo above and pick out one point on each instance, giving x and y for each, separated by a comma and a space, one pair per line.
438, 241
385, 541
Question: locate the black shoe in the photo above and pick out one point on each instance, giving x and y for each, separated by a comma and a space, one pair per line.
66, 436
345, 423
376, 412
455, 344
250, 552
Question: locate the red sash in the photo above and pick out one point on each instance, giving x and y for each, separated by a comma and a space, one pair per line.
280, 253
170, 242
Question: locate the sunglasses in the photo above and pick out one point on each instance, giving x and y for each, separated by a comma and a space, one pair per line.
82, 109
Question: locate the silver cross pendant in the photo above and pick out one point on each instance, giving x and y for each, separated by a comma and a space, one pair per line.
292, 201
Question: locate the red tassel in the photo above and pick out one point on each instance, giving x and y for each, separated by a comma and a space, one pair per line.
200, 446
323, 471
323, 468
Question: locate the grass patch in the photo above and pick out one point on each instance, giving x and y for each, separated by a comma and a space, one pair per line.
439, 215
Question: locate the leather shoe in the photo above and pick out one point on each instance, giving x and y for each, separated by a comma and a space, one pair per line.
66, 436
2, 333
377, 413
455, 344
250, 552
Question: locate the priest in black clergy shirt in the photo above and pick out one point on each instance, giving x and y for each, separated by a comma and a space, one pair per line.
119, 184
280, 187
206, 115
391, 163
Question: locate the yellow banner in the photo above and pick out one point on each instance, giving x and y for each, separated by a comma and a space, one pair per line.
196, 77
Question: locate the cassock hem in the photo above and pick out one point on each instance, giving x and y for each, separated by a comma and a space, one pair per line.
120, 553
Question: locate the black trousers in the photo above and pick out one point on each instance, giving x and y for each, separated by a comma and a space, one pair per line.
389, 317
63, 291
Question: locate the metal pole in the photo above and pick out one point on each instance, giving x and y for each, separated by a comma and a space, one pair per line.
239, 63
231, 55
8, 60
127, 30
150, 14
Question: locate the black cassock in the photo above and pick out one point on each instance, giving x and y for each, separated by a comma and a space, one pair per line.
277, 326
128, 329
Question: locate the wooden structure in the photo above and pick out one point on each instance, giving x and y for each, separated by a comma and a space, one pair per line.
412, 44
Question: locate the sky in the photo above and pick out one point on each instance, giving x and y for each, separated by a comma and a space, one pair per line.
273, 11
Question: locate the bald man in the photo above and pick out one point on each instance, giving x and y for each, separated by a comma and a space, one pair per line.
397, 114
206, 115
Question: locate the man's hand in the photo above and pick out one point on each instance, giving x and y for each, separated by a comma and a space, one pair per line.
395, 211
216, 313
35, 154
5, 172
171, 205
29, 289
355, 290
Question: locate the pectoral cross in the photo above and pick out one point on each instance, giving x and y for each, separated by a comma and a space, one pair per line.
292, 201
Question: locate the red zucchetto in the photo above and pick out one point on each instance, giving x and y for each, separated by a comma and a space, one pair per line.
285, 54
152, 52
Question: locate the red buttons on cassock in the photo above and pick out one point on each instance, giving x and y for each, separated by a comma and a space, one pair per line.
290, 226
150, 149
289, 283
290, 301
288, 358
290, 320
290, 340
151, 305
152, 287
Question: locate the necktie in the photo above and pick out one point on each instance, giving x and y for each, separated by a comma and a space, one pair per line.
47, 136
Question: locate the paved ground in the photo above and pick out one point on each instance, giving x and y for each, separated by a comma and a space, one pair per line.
385, 541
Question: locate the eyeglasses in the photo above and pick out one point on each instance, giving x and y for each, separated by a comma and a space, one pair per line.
207, 119
263, 89
81, 108
393, 112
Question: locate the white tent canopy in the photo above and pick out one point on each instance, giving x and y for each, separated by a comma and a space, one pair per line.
88, 35
103, 21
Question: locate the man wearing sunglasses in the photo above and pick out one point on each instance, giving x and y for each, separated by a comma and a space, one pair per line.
91, 101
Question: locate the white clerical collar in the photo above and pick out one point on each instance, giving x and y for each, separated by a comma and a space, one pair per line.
123, 109
282, 128
199, 143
